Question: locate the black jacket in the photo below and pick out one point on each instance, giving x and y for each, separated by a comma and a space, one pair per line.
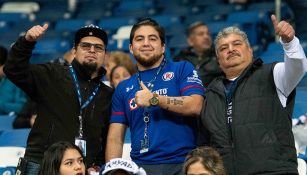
51, 86
205, 64
260, 139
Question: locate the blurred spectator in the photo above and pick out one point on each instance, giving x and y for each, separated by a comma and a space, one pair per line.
63, 158
200, 52
119, 58
12, 98
203, 160
118, 74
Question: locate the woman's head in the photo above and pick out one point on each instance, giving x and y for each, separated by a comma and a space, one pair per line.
118, 74
63, 158
119, 58
203, 160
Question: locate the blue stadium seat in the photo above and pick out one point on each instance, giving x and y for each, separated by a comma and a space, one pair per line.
177, 42
300, 106
71, 25
6, 122
115, 22
15, 137
14, 17
167, 20
215, 27
7, 170
49, 49
251, 23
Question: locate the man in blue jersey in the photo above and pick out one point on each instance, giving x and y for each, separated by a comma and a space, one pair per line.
159, 104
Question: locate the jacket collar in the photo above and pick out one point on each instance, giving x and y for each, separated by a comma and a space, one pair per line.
84, 73
218, 82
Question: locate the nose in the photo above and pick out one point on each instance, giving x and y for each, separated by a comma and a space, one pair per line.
92, 48
146, 41
78, 166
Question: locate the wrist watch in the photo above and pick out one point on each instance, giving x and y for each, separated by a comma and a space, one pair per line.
154, 101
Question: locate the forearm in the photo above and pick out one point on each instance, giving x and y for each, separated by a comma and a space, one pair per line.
184, 105
288, 74
115, 141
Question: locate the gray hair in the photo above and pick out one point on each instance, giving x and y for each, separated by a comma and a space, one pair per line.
230, 30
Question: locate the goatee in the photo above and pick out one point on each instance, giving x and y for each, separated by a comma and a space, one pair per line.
148, 62
90, 67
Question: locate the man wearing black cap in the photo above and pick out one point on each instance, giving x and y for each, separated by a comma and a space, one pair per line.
73, 103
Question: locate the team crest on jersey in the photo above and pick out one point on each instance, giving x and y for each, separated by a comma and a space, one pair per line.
132, 104
167, 76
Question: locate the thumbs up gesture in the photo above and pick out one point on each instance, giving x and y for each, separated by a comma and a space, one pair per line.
283, 29
143, 96
36, 32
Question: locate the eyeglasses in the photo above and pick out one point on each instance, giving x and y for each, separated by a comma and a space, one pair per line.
87, 46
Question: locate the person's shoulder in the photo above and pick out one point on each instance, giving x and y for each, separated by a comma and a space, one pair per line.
182, 55
182, 63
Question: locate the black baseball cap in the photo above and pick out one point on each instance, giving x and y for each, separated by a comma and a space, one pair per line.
91, 30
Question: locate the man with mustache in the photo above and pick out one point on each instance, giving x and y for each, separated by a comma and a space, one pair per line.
72, 102
247, 112
159, 104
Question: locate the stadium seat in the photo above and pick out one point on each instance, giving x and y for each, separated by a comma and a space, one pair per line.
123, 33
6, 122
177, 42
113, 23
13, 17
10, 155
167, 20
21, 7
215, 27
251, 23
71, 25
14, 137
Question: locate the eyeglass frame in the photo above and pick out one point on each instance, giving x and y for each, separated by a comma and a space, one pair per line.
88, 46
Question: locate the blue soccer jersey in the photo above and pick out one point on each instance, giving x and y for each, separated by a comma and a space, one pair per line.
171, 136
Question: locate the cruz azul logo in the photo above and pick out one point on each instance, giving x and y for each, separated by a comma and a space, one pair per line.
132, 104
168, 76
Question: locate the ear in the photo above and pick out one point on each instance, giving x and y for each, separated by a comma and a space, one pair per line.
163, 48
190, 41
73, 51
130, 48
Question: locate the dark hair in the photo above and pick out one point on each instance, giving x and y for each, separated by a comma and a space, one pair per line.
3, 55
148, 22
208, 157
53, 157
193, 26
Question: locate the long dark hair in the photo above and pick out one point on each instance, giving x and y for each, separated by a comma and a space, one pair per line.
53, 157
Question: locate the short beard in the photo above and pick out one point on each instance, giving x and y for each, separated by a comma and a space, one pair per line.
148, 62
90, 66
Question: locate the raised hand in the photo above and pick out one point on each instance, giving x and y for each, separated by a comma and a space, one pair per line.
143, 96
36, 32
283, 29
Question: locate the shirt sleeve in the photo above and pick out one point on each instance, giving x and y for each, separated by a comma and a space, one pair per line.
190, 82
289, 73
118, 107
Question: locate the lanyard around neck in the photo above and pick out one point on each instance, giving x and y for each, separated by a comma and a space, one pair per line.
86, 103
78, 89
152, 81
